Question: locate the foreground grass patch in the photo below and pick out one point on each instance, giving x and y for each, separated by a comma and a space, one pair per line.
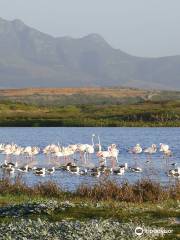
105, 208
123, 218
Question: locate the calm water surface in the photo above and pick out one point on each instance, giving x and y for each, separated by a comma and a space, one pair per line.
124, 138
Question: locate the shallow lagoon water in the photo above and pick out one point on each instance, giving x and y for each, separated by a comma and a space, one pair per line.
124, 138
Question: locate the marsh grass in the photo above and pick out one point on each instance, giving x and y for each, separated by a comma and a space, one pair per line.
18, 187
144, 190
141, 191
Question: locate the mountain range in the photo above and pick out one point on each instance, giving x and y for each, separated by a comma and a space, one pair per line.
30, 58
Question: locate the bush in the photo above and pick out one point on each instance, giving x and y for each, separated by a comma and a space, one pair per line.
142, 191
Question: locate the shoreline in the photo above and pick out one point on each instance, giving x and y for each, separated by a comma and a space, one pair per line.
54, 214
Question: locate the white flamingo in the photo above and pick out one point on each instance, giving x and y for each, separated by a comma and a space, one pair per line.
137, 149
31, 151
81, 148
103, 154
65, 152
163, 147
8, 150
114, 151
90, 148
85, 149
2, 145
151, 150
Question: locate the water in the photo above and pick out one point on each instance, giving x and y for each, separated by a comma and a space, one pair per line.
124, 138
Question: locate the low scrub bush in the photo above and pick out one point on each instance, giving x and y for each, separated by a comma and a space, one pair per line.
139, 192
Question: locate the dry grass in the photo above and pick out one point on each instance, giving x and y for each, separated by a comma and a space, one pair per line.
18, 187
142, 191
112, 92
139, 192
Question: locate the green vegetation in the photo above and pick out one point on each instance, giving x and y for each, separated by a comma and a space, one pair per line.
148, 113
144, 204
89, 107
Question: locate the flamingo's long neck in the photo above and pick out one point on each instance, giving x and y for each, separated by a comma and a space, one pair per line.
93, 140
100, 148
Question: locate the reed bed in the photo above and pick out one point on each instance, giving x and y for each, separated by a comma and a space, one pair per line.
18, 187
144, 190
139, 192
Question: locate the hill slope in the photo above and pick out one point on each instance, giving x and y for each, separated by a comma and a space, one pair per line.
29, 58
